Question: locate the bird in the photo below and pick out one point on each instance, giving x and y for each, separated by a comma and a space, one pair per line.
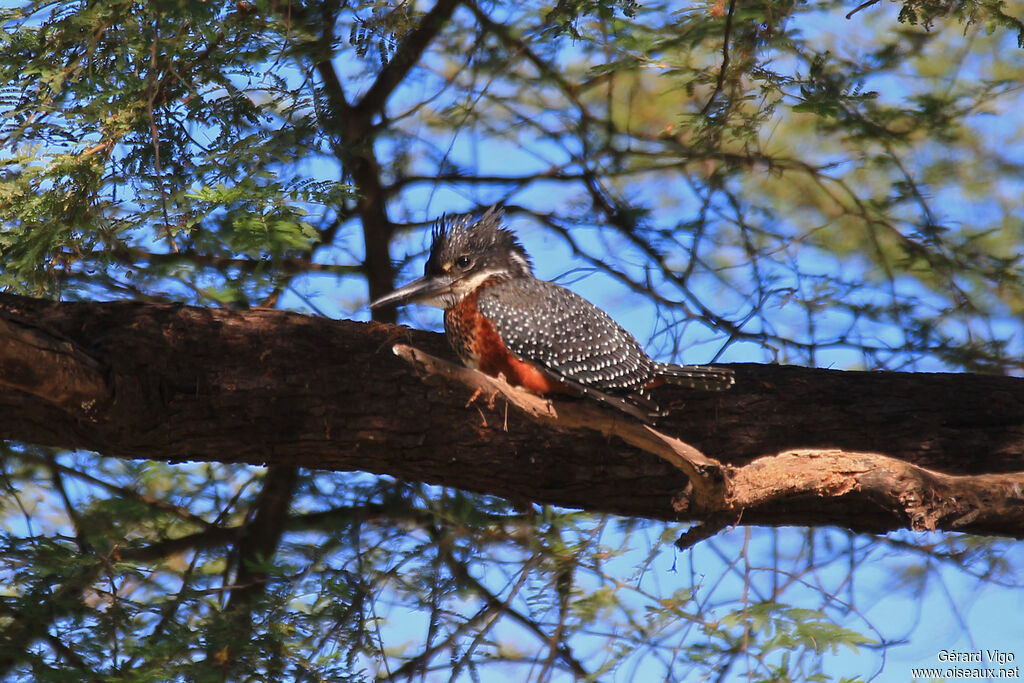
502, 320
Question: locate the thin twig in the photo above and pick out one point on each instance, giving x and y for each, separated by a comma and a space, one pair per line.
154, 90
725, 58
701, 531
861, 6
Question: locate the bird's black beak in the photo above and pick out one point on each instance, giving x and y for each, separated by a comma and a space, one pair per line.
428, 289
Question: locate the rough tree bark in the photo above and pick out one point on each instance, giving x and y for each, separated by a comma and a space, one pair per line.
179, 383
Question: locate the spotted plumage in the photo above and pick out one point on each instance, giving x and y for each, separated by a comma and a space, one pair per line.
500, 319
556, 327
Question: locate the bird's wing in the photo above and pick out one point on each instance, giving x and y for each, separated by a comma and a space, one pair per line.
550, 325
635, 404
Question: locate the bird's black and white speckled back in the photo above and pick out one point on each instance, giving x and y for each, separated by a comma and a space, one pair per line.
547, 323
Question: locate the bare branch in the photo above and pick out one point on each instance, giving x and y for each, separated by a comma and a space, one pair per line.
406, 57
863, 5
926, 500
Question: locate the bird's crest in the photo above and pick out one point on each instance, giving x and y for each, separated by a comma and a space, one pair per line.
485, 238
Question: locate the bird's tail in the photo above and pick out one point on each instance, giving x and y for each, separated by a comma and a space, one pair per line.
704, 377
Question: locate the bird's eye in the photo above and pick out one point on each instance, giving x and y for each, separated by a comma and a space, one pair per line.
463, 261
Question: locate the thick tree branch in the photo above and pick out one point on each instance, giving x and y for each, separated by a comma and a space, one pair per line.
923, 499
37, 361
270, 387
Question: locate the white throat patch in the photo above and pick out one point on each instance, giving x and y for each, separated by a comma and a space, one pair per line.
460, 288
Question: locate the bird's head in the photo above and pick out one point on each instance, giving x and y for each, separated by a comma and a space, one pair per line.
465, 253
